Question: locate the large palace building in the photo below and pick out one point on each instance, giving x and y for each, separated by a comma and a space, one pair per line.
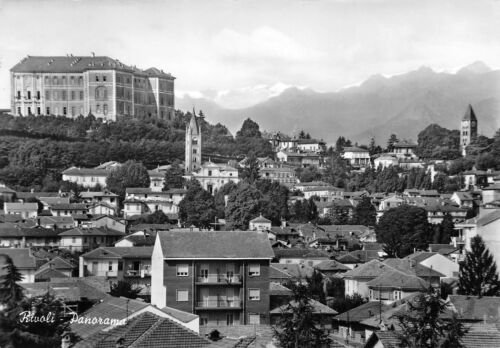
104, 87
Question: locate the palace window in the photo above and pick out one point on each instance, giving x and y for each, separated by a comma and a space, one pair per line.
254, 270
254, 294
182, 295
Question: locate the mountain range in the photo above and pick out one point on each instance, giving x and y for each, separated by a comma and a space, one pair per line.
403, 104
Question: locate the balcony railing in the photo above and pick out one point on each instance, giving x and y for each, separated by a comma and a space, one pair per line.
235, 303
219, 278
137, 273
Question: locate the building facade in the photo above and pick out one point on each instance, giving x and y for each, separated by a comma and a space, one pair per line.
102, 86
222, 276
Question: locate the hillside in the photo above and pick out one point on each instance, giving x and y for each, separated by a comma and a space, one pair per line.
402, 104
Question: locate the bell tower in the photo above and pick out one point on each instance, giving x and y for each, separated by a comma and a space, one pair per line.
193, 144
468, 129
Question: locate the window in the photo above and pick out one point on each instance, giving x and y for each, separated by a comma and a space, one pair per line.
72, 80
64, 80
182, 295
97, 78
182, 270
54, 80
254, 270
397, 295
18, 94
65, 111
46, 79
105, 109
73, 239
47, 95
29, 94
63, 95
81, 95
19, 110
29, 110
72, 95
38, 110
98, 108
104, 78
47, 111
72, 111
110, 265
80, 80
56, 95
38, 95
254, 294
254, 319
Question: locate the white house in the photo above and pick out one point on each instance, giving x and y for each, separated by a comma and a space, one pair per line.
357, 157
25, 210
212, 176
385, 161
260, 223
437, 262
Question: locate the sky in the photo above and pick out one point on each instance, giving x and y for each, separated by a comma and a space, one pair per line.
240, 52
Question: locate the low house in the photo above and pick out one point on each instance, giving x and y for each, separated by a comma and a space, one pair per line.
404, 149
412, 267
83, 239
260, 223
23, 259
122, 310
331, 268
359, 257
56, 222
15, 236
139, 201
69, 209
357, 157
394, 285
109, 222
283, 175
6, 194
95, 197
463, 199
213, 176
25, 210
311, 145
436, 262
87, 177
156, 179
324, 193
49, 201
62, 266
282, 272
132, 264
299, 159
140, 238
356, 279
385, 161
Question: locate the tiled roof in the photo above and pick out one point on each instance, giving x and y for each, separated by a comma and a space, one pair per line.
140, 239
67, 289
54, 200
405, 265
420, 256
21, 257
389, 339
404, 143
481, 339
393, 278
371, 269
185, 317
276, 289
69, 206
301, 253
49, 220
5, 189
215, 244
362, 312
359, 256
260, 219
21, 206
48, 273
91, 232
317, 308
147, 331
151, 227
92, 194
58, 263
294, 270
79, 64
86, 171
475, 308
354, 149
120, 252
332, 266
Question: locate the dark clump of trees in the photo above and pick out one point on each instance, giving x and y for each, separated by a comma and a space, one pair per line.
436, 142
124, 289
130, 174
198, 206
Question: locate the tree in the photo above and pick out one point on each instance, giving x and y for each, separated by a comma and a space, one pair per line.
444, 230
198, 206
11, 293
130, 174
173, 176
125, 289
393, 139
243, 204
250, 172
402, 229
365, 213
342, 304
249, 129
158, 217
423, 325
220, 198
316, 286
478, 273
297, 327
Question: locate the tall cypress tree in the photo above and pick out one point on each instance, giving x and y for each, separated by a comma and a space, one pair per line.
478, 274
11, 293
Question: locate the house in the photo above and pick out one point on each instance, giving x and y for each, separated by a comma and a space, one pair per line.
156, 179
132, 264
120, 310
490, 193
404, 149
56, 222
86, 177
436, 262
311, 145
324, 193
259, 223
485, 225
356, 279
83, 239
412, 267
109, 222
69, 209
96, 197
140, 238
282, 272
25, 210
359, 257
385, 161
282, 174
213, 176
299, 159
65, 267
331, 268
307, 256
146, 330
463, 199
349, 323
49, 201
23, 259
394, 285
223, 276
281, 142
357, 157
140, 201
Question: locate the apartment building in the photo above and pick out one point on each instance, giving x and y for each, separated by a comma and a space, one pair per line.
71, 86
222, 276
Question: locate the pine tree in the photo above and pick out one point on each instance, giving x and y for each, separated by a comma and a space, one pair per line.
11, 293
297, 327
478, 273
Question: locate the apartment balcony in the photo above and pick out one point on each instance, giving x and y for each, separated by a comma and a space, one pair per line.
218, 279
137, 273
219, 304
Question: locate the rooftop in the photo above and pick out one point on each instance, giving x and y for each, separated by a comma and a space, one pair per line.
120, 252
215, 244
